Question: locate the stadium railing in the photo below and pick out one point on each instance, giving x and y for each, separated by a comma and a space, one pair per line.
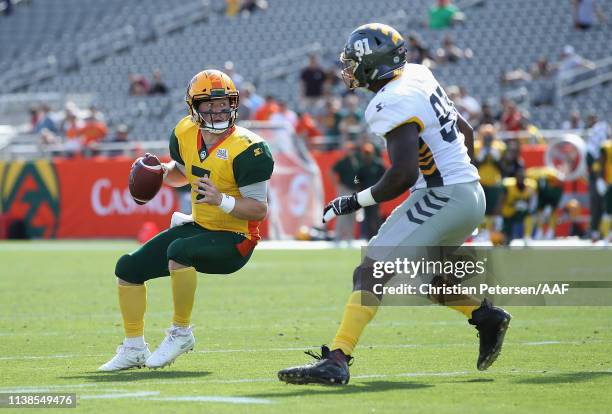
181, 17
112, 42
585, 78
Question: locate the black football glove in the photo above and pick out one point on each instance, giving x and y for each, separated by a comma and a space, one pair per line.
340, 206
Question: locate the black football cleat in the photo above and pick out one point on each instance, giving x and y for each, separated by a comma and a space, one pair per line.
492, 323
330, 368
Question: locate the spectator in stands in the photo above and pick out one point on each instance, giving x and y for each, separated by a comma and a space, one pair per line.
450, 53
121, 136
518, 205
444, 14
284, 114
333, 84
512, 118
232, 7
93, 131
94, 112
585, 12
138, 84
230, 71
72, 123
351, 118
329, 119
418, 52
46, 120
34, 113
541, 69
306, 127
467, 105
344, 173
570, 61
486, 115
265, 111
251, 6
488, 152
312, 83
511, 161
8, 7
250, 101
158, 87
371, 169
573, 122
598, 132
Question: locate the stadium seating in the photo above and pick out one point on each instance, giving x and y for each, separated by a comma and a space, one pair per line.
39, 29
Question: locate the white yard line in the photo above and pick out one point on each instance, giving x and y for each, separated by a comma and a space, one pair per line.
214, 398
116, 395
302, 348
119, 394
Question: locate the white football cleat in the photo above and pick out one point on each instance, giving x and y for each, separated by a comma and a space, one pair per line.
178, 341
126, 358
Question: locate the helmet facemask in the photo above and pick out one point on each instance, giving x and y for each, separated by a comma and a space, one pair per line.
349, 66
211, 120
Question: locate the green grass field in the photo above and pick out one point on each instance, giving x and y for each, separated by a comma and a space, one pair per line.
60, 321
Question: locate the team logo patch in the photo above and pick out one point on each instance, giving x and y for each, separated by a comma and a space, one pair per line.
257, 151
30, 191
222, 153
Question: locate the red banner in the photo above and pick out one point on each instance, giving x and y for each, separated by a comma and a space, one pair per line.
97, 201
79, 198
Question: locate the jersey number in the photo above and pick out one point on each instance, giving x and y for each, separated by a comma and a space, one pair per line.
362, 47
199, 172
446, 113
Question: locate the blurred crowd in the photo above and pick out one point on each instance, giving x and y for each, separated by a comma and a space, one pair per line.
76, 131
521, 202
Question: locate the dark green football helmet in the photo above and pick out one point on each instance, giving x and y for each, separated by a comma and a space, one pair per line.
373, 52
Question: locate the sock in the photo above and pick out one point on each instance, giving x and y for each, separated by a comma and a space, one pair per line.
356, 317
461, 303
528, 227
133, 303
135, 342
184, 283
465, 309
605, 227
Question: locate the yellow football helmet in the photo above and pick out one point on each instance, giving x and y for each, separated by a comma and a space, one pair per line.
206, 87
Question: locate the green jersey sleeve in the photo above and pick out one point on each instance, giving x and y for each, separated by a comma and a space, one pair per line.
253, 165
175, 152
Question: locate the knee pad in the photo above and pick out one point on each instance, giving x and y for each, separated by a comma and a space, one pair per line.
177, 251
125, 269
363, 278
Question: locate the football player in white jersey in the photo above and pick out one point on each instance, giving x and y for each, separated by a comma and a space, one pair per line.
430, 148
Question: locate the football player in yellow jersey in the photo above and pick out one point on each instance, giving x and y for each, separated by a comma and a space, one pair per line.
604, 188
518, 205
228, 168
488, 151
550, 191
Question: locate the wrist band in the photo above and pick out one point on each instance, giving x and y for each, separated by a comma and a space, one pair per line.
365, 198
227, 203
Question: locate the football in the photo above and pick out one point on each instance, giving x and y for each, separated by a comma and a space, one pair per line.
146, 178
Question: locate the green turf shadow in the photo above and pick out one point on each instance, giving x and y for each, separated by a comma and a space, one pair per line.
568, 377
356, 388
129, 376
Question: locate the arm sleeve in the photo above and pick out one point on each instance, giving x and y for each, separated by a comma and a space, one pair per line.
253, 165
393, 111
175, 152
257, 191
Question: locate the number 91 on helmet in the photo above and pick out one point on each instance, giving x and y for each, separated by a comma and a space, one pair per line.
212, 99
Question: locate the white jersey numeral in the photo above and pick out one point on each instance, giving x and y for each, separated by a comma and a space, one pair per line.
362, 47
